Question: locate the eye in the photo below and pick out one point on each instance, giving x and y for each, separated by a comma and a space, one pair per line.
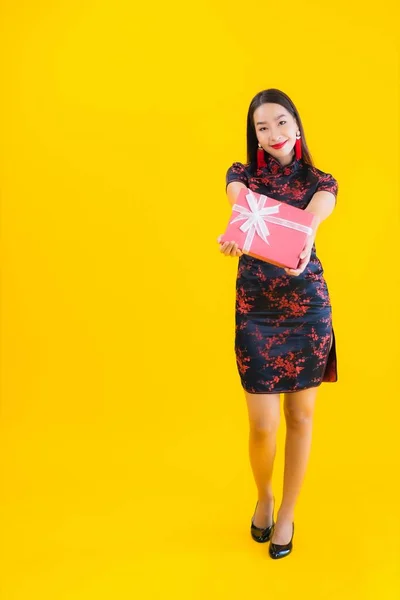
261, 128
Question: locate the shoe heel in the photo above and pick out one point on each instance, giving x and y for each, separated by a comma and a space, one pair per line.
259, 534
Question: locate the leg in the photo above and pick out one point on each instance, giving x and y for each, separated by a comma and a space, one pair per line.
298, 410
264, 416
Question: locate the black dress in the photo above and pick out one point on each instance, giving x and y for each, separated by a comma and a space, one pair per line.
284, 339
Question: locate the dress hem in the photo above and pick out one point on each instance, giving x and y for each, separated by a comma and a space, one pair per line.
290, 391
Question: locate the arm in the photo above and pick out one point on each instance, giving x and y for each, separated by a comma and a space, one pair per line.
321, 205
233, 190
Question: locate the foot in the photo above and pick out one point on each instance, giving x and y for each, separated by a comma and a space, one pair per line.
282, 531
263, 514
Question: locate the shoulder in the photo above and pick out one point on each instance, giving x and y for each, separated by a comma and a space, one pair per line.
320, 175
238, 167
323, 180
238, 172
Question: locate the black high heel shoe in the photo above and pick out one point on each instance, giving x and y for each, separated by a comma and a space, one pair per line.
281, 550
262, 535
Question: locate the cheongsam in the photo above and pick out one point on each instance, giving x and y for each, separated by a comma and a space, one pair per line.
284, 337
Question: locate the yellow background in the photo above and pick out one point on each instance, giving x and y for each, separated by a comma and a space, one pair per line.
124, 460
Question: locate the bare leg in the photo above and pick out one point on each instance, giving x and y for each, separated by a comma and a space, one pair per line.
298, 410
264, 416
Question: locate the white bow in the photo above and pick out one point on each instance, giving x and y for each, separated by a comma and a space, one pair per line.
255, 219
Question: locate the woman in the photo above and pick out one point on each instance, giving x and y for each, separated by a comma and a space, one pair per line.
284, 340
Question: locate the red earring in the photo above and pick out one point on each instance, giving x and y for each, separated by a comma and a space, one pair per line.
260, 157
298, 147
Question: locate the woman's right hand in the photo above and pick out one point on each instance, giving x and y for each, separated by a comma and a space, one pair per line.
229, 248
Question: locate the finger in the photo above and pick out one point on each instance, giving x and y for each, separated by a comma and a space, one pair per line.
303, 263
305, 255
306, 250
297, 271
226, 245
307, 247
219, 238
228, 248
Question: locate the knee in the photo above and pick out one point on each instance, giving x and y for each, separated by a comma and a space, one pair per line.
263, 429
298, 417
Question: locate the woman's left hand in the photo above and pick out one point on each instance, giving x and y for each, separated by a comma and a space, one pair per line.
304, 256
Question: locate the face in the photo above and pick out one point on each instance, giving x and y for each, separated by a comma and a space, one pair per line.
275, 125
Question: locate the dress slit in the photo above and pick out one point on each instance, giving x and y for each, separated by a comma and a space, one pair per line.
330, 373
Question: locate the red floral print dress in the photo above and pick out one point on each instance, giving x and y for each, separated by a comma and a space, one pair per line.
284, 338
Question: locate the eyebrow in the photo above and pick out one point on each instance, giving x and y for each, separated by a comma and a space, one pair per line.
265, 122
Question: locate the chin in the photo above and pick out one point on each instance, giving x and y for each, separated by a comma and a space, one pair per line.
288, 152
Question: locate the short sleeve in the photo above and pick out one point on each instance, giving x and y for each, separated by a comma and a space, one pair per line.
236, 172
327, 183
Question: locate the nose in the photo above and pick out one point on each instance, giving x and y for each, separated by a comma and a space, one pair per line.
275, 137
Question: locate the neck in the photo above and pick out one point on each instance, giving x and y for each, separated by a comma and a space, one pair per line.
286, 160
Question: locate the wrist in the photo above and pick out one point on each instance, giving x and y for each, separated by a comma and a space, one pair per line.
316, 222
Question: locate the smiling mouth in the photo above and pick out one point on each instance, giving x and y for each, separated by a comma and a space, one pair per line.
277, 146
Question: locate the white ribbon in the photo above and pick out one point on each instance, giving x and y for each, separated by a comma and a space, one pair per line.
256, 217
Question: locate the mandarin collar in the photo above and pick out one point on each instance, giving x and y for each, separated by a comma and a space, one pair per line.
274, 167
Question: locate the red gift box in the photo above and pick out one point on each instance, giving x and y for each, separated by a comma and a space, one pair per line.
269, 229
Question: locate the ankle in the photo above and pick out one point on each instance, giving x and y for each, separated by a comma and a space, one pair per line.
265, 498
285, 514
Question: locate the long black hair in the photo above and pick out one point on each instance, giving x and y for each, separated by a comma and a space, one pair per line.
277, 97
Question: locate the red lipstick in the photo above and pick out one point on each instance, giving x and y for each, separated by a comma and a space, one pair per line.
277, 146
